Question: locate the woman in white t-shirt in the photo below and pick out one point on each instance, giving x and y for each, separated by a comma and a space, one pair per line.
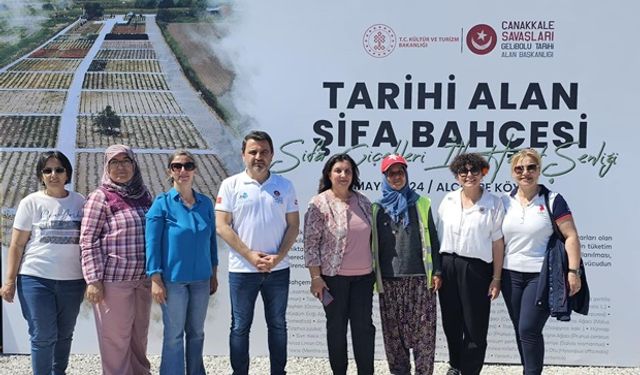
527, 229
44, 264
469, 225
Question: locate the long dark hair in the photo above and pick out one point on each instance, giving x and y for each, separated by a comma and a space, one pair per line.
325, 181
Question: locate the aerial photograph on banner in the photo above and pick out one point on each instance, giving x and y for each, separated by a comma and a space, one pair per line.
369, 78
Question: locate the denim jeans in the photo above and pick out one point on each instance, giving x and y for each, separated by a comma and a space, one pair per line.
243, 290
50, 308
184, 312
519, 292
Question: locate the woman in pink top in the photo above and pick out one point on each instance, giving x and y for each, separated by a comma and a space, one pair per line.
337, 232
113, 263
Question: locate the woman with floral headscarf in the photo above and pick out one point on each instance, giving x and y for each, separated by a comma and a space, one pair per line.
407, 264
113, 263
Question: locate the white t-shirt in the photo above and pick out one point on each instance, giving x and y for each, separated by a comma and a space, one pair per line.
259, 215
52, 251
527, 230
469, 232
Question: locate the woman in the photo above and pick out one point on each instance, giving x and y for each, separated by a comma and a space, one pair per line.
337, 230
113, 263
44, 260
182, 259
407, 263
527, 228
472, 248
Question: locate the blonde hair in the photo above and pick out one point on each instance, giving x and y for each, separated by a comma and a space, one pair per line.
526, 153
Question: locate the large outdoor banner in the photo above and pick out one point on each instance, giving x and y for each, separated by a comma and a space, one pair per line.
427, 80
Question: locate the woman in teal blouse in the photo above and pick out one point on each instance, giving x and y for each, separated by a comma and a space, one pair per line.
182, 258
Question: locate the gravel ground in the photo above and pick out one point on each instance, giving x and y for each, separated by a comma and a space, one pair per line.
90, 365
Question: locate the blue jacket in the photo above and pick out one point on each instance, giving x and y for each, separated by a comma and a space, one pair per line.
553, 288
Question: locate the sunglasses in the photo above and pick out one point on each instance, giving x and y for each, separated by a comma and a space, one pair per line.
462, 172
188, 166
58, 170
519, 169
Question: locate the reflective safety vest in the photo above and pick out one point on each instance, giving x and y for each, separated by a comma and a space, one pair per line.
422, 205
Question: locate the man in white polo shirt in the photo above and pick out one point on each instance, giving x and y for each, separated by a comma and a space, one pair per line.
257, 215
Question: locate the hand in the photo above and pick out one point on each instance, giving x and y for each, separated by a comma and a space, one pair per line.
436, 281
8, 291
574, 284
494, 289
213, 284
317, 286
256, 258
158, 291
95, 292
269, 261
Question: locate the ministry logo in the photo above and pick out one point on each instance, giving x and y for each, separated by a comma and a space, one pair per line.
481, 39
379, 40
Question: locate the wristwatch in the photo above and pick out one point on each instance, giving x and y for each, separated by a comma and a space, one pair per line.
576, 271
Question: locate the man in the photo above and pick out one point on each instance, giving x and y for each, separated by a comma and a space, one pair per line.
257, 215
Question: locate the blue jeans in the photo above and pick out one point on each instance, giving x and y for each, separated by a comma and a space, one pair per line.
184, 312
243, 290
519, 292
50, 308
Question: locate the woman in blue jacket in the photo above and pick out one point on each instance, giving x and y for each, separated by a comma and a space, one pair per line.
182, 260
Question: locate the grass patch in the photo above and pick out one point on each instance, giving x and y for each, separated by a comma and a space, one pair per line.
191, 75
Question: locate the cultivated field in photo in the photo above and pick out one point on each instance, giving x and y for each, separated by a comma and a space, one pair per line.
158, 132
29, 131
124, 81
126, 44
129, 102
49, 65
126, 54
29, 80
15, 101
143, 66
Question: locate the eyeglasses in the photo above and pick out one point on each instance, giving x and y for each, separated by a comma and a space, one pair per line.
58, 170
462, 172
188, 166
121, 163
519, 169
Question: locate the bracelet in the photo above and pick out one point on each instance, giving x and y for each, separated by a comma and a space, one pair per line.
10, 283
316, 277
497, 278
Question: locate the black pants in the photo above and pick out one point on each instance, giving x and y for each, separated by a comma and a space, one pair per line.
465, 307
352, 304
519, 292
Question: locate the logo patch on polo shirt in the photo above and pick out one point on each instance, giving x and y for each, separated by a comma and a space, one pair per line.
219, 200
277, 197
243, 195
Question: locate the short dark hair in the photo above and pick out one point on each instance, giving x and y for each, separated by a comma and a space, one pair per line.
45, 156
257, 135
325, 181
475, 160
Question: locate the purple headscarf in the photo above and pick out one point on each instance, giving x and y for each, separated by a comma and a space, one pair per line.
135, 188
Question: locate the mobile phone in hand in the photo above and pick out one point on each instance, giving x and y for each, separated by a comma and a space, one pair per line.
327, 298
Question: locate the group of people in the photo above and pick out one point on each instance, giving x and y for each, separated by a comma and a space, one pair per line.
121, 249
477, 245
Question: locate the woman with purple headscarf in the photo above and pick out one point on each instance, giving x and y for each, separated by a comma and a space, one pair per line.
113, 263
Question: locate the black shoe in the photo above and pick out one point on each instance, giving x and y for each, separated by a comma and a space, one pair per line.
453, 371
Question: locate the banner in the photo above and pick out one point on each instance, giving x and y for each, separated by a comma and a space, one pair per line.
428, 81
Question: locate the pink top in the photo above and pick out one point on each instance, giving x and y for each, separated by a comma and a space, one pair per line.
357, 259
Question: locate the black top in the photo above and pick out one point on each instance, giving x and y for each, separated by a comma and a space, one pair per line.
400, 249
